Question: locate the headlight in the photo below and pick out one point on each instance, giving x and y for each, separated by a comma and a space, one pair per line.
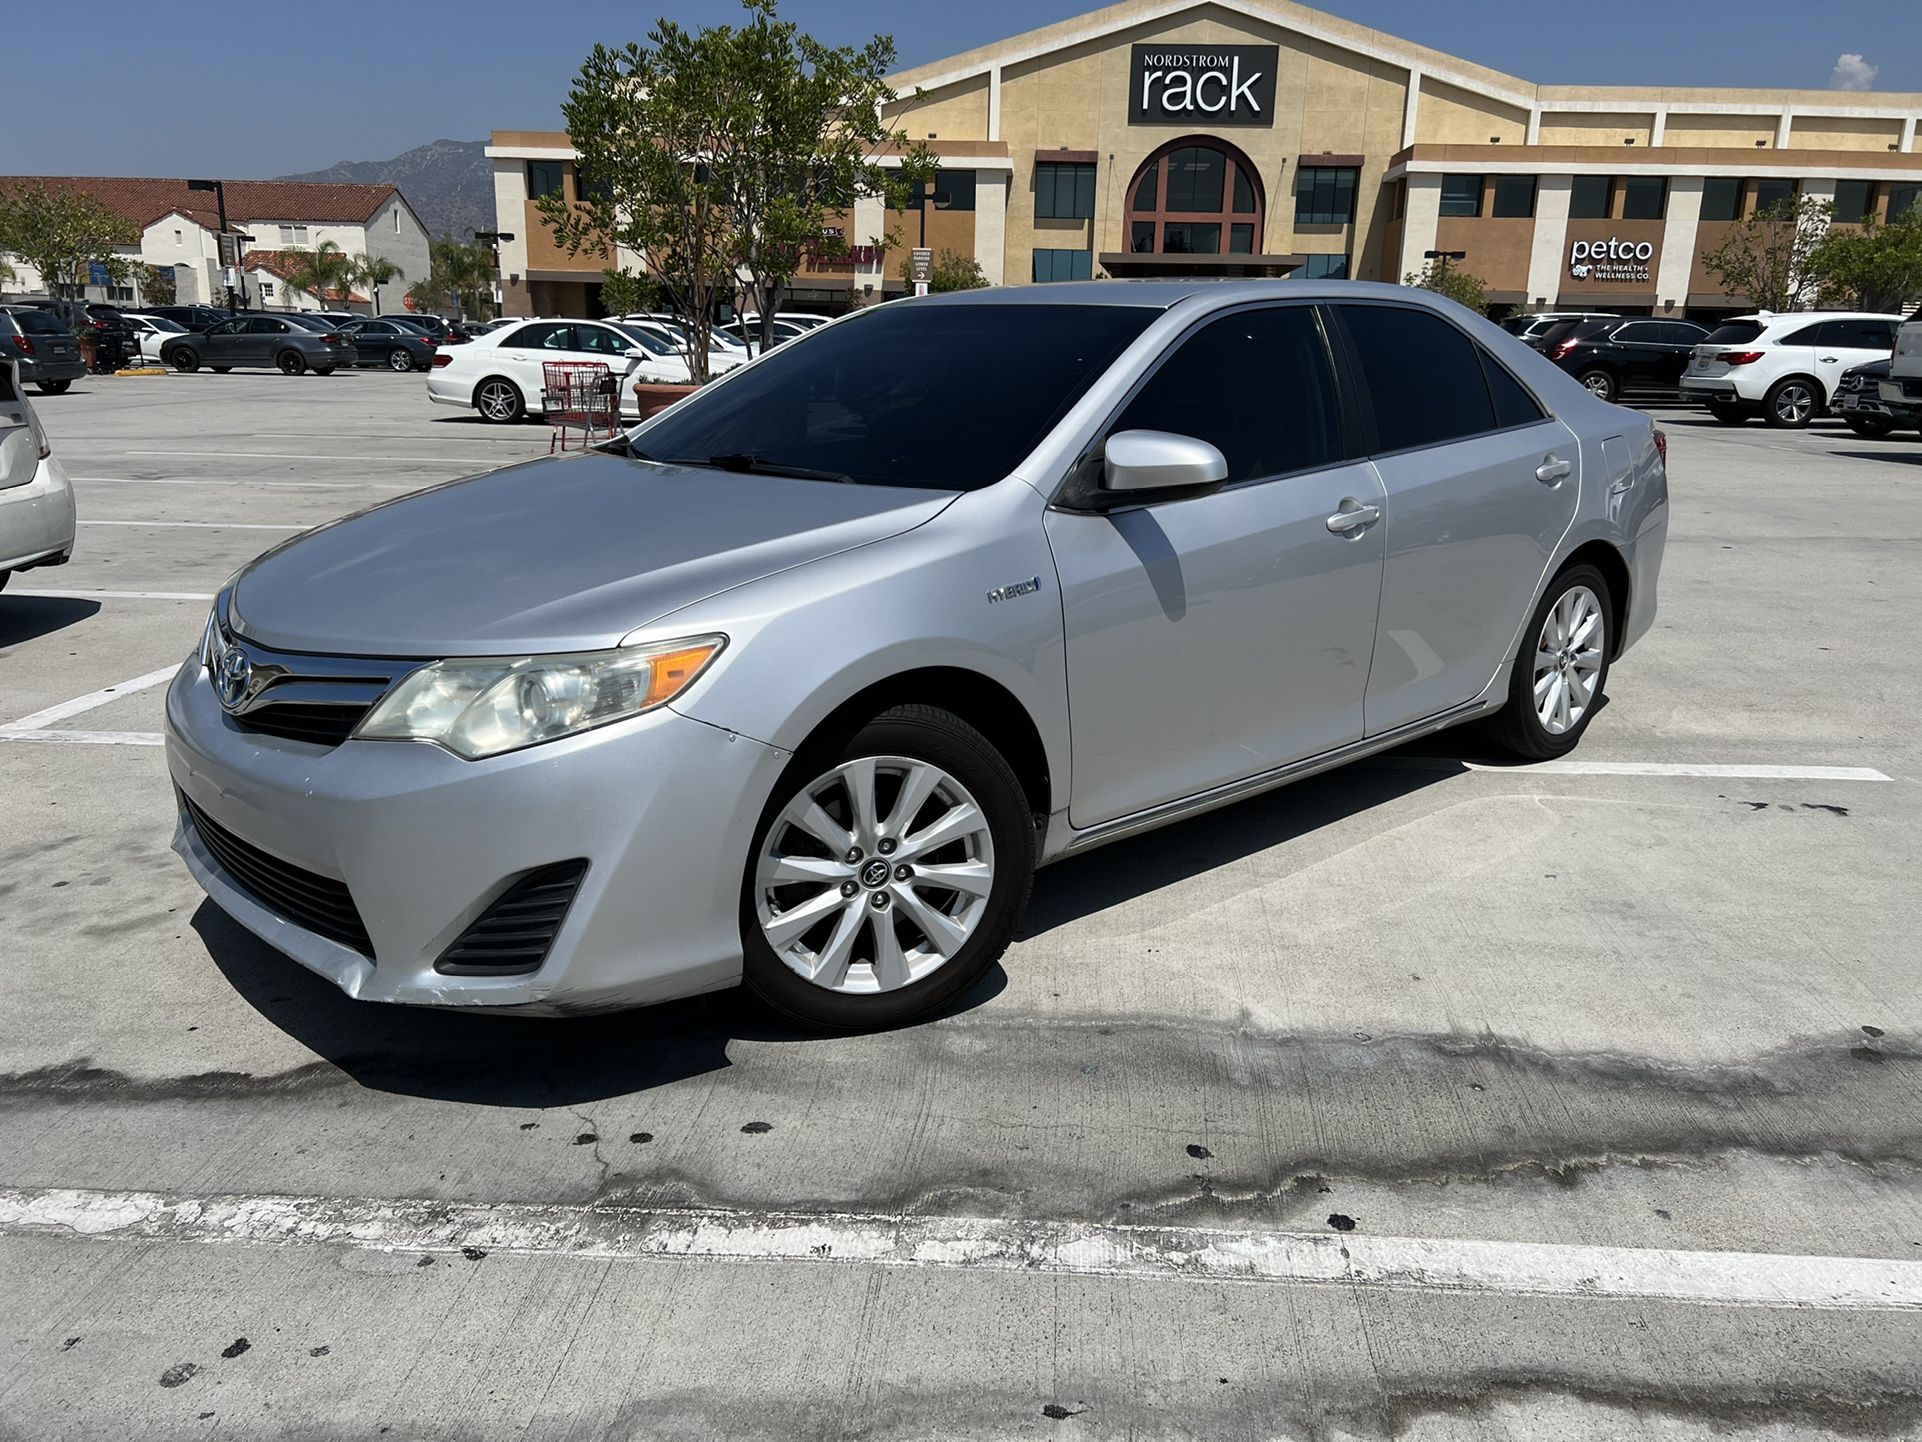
484, 707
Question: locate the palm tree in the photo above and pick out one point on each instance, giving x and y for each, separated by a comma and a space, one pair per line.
326, 267
374, 271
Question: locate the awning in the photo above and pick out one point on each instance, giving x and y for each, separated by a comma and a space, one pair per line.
1143, 263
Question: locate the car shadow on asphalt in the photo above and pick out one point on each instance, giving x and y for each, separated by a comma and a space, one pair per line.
1902, 458
27, 618
492, 1059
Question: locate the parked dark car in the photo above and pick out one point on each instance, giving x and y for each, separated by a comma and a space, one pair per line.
444, 332
40, 343
1858, 400
397, 346
1530, 328
196, 318
261, 340
1626, 353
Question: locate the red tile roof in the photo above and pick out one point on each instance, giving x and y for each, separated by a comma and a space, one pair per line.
144, 201
281, 264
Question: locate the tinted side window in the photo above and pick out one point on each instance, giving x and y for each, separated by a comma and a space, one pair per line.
1646, 332
538, 335
1422, 376
1806, 335
598, 340
1514, 406
1680, 332
1257, 385
1860, 334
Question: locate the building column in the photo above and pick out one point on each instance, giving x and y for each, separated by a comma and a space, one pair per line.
1678, 242
1550, 240
870, 222
1658, 127
1411, 108
991, 223
1420, 220
1908, 134
994, 103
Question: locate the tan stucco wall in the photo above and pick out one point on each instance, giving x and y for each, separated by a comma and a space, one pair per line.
1826, 132
1736, 131
1595, 128
1451, 116
954, 112
1498, 248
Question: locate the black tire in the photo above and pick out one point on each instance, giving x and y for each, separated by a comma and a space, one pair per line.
5, 576
499, 401
323, 370
1874, 428
1600, 383
1517, 727
921, 733
1791, 403
220, 370
184, 360
399, 360
291, 362
53, 388
1728, 415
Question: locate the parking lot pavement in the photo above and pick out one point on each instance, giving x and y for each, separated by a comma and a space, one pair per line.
1428, 1098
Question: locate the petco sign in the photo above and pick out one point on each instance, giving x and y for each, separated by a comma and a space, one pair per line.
1203, 84
1610, 260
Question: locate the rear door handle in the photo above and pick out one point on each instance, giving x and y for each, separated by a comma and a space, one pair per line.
1552, 469
1352, 517
1830, 360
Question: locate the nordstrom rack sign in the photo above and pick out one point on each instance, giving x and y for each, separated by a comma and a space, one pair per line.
1202, 84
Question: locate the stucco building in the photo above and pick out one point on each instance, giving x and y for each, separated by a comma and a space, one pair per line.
1259, 137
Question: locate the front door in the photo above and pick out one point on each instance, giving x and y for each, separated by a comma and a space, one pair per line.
1481, 485
1218, 636
1841, 345
226, 343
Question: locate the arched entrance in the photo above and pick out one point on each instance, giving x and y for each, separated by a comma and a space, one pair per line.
1195, 196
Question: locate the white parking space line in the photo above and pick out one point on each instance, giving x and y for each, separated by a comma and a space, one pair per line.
87, 738
119, 595
39, 720
197, 525
1419, 1264
418, 459
249, 482
1734, 771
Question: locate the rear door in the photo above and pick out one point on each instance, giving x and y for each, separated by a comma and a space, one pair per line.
1481, 485
1843, 344
19, 451
1642, 348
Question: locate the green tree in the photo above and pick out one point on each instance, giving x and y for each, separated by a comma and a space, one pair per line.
324, 268
60, 233
1871, 266
623, 292
951, 271
1461, 286
373, 271
1765, 259
459, 275
156, 285
719, 155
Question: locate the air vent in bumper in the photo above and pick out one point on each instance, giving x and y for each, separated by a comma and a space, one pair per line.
317, 903
515, 933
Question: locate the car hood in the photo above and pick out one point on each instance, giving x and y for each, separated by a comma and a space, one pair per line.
567, 554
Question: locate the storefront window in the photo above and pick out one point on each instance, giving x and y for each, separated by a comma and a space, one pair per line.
1903, 199
1461, 195
1141, 237
1063, 192
953, 190
1514, 196
1241, 239
1722, 198
1644, 197
1324, 267
1771, 193
1589, 197
1325, 195
1050, 265
1188, 237
1854, 200
544, 177
1195, 179
1192, 196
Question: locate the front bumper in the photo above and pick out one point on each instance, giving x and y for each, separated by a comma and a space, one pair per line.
663, 808
37, 520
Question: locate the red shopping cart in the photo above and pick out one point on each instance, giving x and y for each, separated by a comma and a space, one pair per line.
579, 395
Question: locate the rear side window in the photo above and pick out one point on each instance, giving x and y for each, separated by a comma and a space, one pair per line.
1514, 406
1680, 332
1806, 335
1423, 377
1257, 385
1735, 332
1860, 334
39, 322
1647, 332
539, 336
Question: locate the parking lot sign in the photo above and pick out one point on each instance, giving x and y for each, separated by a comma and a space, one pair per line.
920, 268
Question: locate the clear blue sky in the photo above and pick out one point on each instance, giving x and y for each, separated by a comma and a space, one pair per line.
283, 88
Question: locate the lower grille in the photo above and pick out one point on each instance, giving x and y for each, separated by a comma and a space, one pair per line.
516, 932
318, 903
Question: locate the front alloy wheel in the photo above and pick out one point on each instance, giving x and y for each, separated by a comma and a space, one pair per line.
888, 874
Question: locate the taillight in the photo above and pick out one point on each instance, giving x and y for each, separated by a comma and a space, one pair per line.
25, 344
1740, 357
442, 360
1661, 446
330, 338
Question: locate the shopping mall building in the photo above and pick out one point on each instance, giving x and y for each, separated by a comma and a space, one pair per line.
1262, 138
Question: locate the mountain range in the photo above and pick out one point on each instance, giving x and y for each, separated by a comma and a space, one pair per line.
450, 183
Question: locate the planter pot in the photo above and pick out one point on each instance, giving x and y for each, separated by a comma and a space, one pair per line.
657, 396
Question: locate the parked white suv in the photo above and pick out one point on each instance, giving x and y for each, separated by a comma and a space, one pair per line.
1783, 367
1902, 391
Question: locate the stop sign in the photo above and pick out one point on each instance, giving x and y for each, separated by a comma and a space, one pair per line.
410, 302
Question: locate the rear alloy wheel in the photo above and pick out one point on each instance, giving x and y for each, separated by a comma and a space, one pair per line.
1872, 428
1790, 404
888, 874
53, 388
1600, 383
399, 360
1559, 676
185, 361
291, 362
499, 401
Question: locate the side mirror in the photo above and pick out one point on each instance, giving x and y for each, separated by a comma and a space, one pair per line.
1143, 465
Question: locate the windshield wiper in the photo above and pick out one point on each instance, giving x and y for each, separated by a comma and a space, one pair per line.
745, 464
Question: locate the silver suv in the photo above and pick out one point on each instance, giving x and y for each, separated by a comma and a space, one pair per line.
803, 685
1901, 392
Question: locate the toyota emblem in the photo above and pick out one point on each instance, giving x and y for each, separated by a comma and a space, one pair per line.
233, 677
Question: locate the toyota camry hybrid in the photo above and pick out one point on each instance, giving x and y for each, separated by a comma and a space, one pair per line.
799, 683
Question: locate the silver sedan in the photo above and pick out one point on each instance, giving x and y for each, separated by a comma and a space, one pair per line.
802, 682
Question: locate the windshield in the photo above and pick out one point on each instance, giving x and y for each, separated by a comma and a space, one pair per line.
309, 322
1735, 332
649, 340
883, 398
170, 327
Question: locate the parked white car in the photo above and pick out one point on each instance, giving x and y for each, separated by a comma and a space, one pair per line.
806, 320
499, 374
1783, 367
722, 354
36, 499
151, 332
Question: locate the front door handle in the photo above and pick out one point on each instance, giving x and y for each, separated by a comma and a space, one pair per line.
1552, 469
1352, 517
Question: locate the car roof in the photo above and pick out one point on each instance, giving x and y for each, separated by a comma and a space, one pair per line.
1165, 294
1802, 317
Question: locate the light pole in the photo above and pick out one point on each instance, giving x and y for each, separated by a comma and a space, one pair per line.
1444, 256
220, 205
